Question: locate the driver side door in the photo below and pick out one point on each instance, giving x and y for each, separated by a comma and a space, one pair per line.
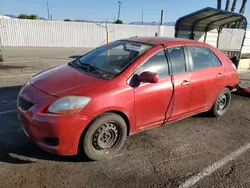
152, 100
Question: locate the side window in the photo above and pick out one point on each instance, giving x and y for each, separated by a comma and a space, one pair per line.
177, 58
156, 63
217, 62
203, 58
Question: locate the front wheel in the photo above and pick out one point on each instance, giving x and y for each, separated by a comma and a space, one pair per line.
105, 136
222, 103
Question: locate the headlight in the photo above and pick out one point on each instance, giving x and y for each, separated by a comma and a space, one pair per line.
69, 105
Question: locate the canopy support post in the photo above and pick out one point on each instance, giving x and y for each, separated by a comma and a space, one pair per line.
218, 38
244, 37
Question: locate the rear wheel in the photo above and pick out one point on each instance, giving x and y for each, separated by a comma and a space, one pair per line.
105, 136
222, 103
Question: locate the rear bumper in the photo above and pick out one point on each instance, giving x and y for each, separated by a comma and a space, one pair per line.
54, 133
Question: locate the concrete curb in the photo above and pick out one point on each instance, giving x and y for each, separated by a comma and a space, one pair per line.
244, 71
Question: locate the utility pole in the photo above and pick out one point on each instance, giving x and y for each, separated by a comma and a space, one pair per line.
107, 32
142, 16
119, 10
48, 10
161, 24
162, 17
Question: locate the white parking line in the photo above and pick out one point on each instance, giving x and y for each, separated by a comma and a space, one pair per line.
210, 169
6, 112
17, 75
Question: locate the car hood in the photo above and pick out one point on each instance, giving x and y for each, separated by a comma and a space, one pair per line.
63, 80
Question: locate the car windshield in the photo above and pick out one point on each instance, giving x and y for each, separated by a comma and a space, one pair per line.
111, 59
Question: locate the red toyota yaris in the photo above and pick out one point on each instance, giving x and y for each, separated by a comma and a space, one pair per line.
93, 103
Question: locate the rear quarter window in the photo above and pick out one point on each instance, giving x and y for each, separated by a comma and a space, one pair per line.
216, 60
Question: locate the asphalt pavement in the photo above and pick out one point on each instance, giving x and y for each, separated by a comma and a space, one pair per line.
196, 152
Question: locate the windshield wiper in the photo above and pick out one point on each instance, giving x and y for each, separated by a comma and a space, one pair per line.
90, 67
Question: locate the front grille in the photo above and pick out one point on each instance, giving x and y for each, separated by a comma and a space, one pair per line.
24, 104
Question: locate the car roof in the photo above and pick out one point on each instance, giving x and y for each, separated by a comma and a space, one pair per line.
164, 40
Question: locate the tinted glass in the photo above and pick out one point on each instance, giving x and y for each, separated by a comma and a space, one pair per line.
217, 62
156, 63
177, 58
203, 58
113, 58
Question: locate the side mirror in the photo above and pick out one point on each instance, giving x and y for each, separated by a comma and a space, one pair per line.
148, 77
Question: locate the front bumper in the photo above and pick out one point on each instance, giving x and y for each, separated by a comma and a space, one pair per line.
40, 127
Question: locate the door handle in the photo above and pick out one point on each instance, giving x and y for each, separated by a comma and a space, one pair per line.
185, 83
219, 75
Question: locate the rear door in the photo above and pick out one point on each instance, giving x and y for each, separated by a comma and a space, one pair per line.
152, 100
182, 82
207, 78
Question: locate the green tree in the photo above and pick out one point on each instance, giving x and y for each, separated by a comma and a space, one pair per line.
67, 20
33, 17
23, 16
243, 6
118, 22
234, 5
218, 4
228, 2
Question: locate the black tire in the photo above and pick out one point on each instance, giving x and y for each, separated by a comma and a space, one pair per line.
222, 103
108, 127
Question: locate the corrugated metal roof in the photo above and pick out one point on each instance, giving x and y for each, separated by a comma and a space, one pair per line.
208, 19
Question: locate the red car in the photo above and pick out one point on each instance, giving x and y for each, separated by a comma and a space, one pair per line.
93, 103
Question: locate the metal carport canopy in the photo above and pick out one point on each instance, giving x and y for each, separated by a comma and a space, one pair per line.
208, 19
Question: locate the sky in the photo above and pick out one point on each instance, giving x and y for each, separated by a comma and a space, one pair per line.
100, 10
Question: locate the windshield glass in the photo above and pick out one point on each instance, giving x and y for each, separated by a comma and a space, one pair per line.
111, 59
